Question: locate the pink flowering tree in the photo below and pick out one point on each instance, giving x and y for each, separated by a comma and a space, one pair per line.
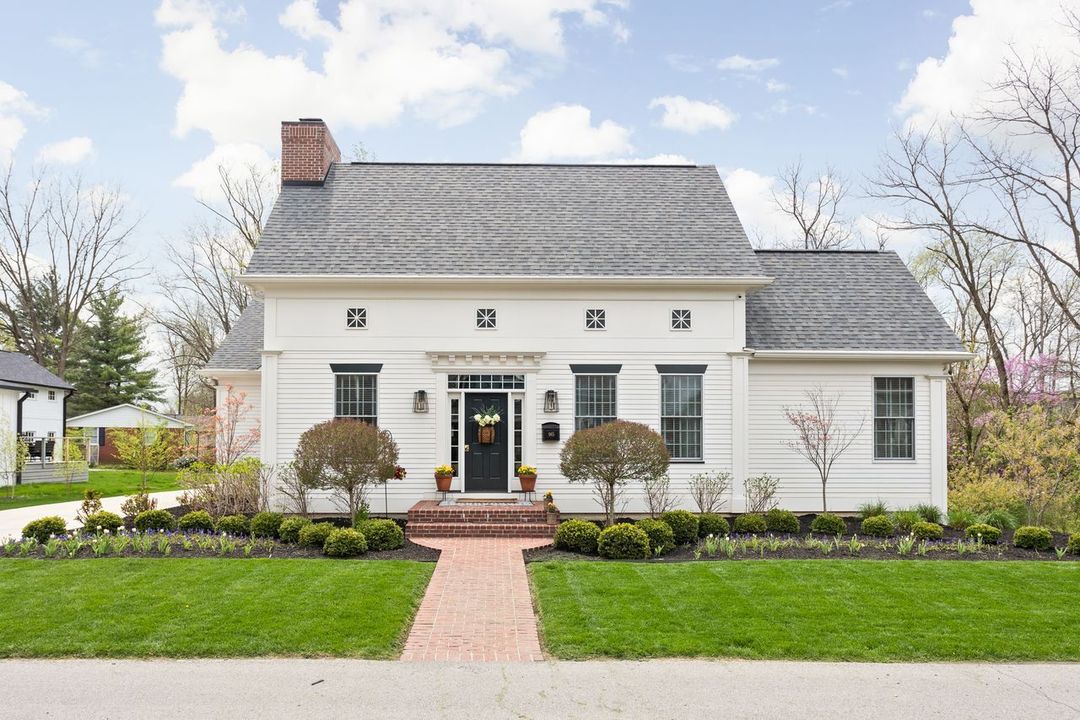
820, 437
231, 427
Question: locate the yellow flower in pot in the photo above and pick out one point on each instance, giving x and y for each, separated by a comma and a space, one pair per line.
527, 477
444, 475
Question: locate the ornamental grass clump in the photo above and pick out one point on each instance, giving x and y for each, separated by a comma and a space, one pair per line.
44, 528
382, 534
623, 542
712, 524
683, 524
345, 542
315, 534
750, 524
984, 533
781, 521
290, 528
266, 524
878, 526
1031, 537
828, 524
154, 520
904, 520
196, 521
101, 521
580, 536
927, 531
661, 536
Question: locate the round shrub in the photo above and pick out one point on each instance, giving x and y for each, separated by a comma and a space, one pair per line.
828, 524
578, 536
154, 520
345, 542
196, 521
1073, 547
750, 523
683, 524
927, 531
290, 528
315, 534
712, 524
661, 536
233, 525
877, 526
102, 520
44, 528
781, 521
623, 542
990, 534
266, 524
382, 534
1031, 537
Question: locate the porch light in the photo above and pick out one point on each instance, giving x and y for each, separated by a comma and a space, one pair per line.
420, 401
551, 401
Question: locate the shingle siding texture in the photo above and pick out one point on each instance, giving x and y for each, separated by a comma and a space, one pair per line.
843, 301
242, 348
498, 220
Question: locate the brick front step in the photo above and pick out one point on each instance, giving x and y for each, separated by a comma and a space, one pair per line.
430, 511
474, 529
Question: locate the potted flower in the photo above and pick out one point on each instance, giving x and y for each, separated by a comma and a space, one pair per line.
527, 477
551, 509
444, 475
486, 418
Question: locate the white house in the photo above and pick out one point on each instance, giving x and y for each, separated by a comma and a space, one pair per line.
411, 295
96, 424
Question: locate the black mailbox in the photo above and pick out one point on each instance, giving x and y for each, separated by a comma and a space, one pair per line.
549, 431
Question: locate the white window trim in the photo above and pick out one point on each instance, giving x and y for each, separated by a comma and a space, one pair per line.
573, 399
333, 395
603, 320
660, 415
494, 319
873, 422
671, 319
351, 329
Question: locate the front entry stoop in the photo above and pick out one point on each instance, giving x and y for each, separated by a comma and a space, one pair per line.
501, 518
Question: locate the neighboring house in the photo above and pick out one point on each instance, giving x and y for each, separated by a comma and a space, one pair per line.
95, 426
32, 401
409, 295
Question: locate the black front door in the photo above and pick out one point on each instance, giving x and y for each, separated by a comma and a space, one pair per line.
486, 463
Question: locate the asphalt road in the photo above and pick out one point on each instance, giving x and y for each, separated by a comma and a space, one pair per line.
684, 689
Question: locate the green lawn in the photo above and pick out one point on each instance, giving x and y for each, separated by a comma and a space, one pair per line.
109, 482
811, 609
135, 607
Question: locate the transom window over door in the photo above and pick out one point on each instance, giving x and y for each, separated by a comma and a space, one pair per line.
894, 418
356, 396
681, 417
595, 400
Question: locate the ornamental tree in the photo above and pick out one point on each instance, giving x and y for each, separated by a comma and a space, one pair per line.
610, 456
820, 436
350, 456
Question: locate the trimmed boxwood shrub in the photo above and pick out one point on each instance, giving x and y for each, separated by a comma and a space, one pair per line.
315, 534
877, 526
712, 524
233, 525
990, 534
382, 534
266, 524
1031, 537
154, 520
44, 528
927, 531
578, 536
345, 542
102, 520
683, 524
750, 523
828, 524
1073, 547
623, 542
781, 521
290, 528
196, 521
661, 536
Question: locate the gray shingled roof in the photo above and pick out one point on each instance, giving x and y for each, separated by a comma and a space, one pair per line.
19, 369
242, 347
843, 301
561, 220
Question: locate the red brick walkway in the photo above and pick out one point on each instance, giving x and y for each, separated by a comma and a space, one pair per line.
477, 606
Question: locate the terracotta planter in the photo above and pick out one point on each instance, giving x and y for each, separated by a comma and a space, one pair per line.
442, 482
528, 482
485, 435
553, 518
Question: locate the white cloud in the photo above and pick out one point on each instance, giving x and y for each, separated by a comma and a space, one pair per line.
15, 106
660, 159
740, 63
83, 50
957, 84
566, 132
840, 72
204, 177
692, 116
929, 14
775, 86
378, 60
752, 195
67, 152
683, 63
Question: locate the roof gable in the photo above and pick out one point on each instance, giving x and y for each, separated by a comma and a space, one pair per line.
242, 347
19, 369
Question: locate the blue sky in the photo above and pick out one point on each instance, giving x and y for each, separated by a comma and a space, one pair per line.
141, 94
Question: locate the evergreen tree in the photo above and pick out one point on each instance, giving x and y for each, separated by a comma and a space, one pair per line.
106, 364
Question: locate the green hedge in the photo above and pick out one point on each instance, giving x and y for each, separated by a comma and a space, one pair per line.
623, 542
1031, 537
345, 542
661, 536
44, 528
990, 534
154, 520
781, 521
315, 534
383, 534
927, 531
289, 530
233, 525
580, 536
266, 524
196, 521
102, 520
712, 524
877, 526
828, 524
683, 524
750, 523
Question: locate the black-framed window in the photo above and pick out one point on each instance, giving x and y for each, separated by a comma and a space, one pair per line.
596, 319
680, 319
485, 382
356, 396
894, 418
681, 416
52, 394
595, 400
356, 318
485, 318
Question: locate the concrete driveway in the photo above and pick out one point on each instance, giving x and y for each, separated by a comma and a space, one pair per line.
290, 688
13, 521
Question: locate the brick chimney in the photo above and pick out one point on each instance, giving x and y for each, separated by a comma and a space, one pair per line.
307, 151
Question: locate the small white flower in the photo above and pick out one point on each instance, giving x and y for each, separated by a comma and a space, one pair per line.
477, 417
497, 418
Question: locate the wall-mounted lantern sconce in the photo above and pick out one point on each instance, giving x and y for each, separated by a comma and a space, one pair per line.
551, 401
419, 404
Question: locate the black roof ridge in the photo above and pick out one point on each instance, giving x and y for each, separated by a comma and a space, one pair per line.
521, 164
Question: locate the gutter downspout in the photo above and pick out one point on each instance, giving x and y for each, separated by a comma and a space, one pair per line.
18, 428
63, 424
